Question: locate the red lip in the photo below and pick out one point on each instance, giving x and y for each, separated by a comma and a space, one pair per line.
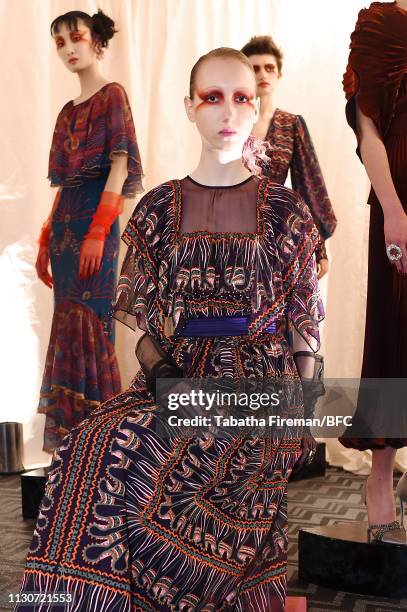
227, 132
73, 60
264, 84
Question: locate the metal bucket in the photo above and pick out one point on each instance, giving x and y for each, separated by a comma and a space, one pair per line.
11, 448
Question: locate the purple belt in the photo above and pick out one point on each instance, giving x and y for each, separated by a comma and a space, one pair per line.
220, 326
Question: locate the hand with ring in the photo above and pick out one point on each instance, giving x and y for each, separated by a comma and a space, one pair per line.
394, 252
395, 233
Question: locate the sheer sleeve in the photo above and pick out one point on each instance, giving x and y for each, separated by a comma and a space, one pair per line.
121, 137
140, 301
307, 180
137, 302
305, 309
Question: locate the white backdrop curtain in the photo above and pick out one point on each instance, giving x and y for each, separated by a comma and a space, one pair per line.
157, 44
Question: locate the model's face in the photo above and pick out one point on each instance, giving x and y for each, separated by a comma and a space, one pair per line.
224, 106
266, 71
75, 47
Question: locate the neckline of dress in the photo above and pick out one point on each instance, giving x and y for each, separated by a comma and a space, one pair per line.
220, 186
219, 236
90, 97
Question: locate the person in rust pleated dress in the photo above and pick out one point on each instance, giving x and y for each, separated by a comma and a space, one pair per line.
375, 83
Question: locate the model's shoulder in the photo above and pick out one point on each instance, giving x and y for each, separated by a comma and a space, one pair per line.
380, 6
114, 86
283, 114
376, 10
159, 197
284, 119
284, 203
163, 189
61, 121
275, 191
114, 91
65, 109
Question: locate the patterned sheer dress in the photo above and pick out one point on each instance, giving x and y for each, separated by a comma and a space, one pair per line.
292, 151
138, 516
81, 369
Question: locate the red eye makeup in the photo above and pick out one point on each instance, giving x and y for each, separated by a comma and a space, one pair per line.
213, 97
210, 97
267, 68
242, 97
270, 68
77, 36
59, 42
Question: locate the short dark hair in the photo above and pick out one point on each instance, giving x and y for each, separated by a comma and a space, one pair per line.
263, 45
100, 25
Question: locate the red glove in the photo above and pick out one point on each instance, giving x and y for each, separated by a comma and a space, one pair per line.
109, 208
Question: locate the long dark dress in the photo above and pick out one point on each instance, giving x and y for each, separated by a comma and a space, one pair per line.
134, 520
81, 369
377, 75
292, 151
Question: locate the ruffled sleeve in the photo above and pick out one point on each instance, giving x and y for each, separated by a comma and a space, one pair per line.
307, 180
304, 307
137, 302
121, 137
89, 134
377, 64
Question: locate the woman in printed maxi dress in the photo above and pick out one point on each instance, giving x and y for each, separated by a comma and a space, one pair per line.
138, 515
94, 162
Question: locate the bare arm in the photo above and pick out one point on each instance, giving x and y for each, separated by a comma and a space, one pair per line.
375, 160
117, 175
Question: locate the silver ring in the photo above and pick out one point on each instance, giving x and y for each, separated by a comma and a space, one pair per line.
394, 252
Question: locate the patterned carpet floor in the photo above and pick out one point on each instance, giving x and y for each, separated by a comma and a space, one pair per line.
318, 501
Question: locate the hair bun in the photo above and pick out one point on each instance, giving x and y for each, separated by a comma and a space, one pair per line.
103, 27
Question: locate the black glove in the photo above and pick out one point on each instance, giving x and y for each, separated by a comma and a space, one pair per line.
312, 388
163, 369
